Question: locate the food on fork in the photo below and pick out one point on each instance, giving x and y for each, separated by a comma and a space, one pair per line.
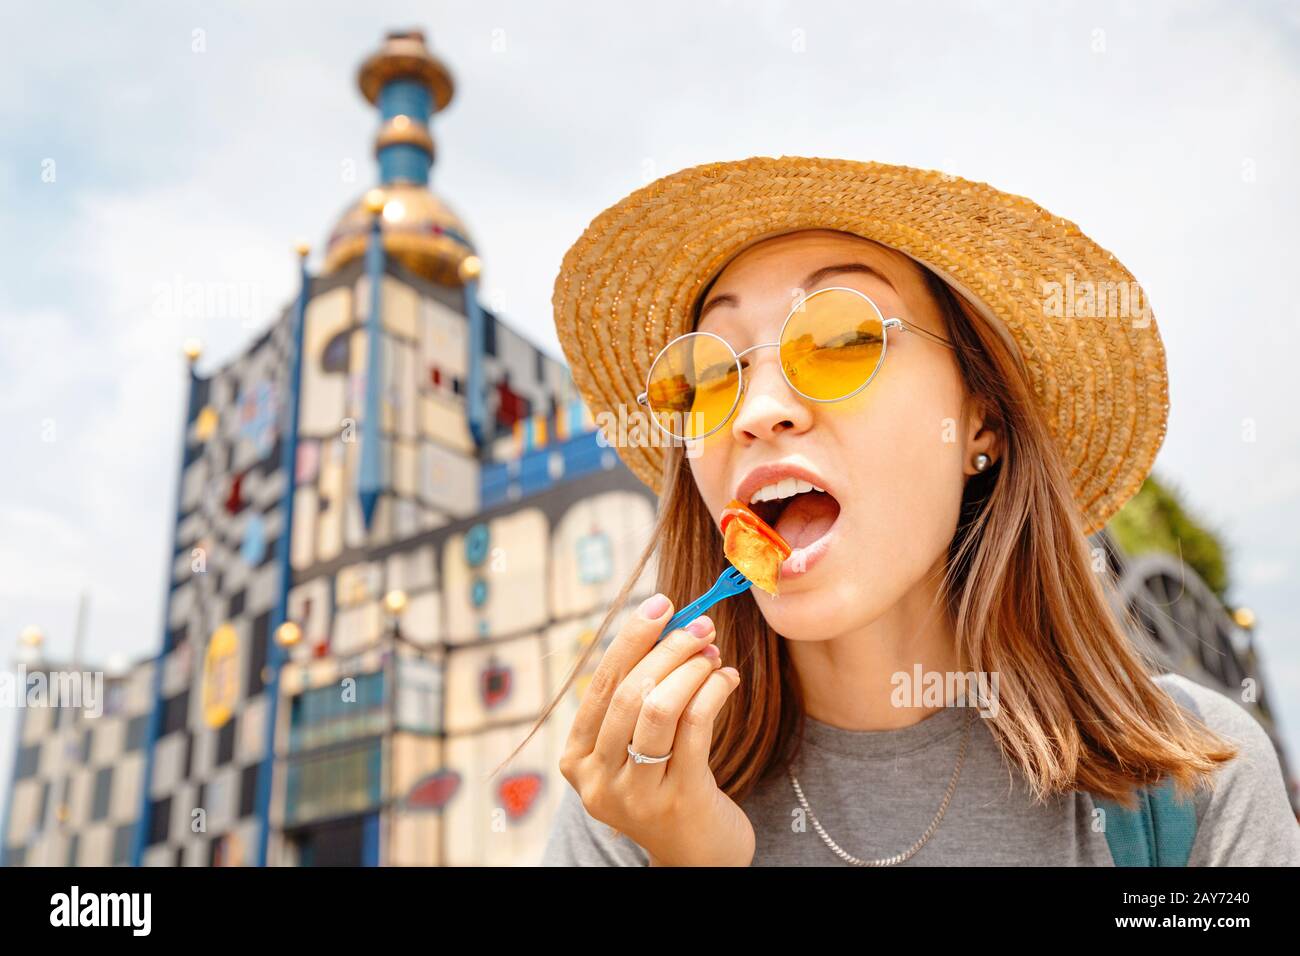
752, 546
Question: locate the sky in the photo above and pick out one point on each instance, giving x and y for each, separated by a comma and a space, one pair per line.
147, 147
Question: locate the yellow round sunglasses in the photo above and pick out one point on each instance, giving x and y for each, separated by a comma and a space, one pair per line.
832, 344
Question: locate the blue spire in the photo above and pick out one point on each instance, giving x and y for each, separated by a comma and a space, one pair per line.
409, 85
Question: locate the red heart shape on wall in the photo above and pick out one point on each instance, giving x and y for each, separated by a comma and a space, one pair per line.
518, 793
434, 791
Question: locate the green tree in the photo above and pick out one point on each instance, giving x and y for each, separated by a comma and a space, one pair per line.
1155, 520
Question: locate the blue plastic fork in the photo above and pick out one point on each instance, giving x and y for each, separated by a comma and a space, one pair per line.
730, 583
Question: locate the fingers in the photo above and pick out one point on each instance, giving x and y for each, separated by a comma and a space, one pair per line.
656, 725
634, 638
694, 738
628, 699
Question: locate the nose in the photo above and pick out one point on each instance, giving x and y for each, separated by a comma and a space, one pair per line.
768, 405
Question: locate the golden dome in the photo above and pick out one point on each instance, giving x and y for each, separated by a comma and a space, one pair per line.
418, 228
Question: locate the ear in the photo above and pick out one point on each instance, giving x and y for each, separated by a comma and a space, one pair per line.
981, 437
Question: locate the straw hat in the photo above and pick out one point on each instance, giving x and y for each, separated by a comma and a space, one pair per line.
1078, 319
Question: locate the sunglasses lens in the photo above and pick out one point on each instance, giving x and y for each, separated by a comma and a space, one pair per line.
693, 385
832, 344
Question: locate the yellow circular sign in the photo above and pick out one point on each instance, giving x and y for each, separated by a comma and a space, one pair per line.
221, 676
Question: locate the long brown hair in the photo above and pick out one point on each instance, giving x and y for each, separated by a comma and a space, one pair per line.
1077, 709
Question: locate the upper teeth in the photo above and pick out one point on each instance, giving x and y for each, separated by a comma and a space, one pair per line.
785, 488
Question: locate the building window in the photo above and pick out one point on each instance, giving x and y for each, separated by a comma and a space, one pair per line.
103, 790
176, 713
122, 839
334, 784
321, 716
226, 742
257, 653
489, 334
27, 761
248, 791
177, 637
347, 842
136, 728
160, 820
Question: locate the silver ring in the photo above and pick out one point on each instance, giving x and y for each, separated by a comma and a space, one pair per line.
642, 758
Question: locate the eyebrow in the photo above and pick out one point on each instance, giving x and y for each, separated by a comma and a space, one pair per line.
812, 279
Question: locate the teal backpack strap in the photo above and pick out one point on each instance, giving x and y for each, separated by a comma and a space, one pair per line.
1160, 830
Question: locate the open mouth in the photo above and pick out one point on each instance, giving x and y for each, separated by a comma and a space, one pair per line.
801, 517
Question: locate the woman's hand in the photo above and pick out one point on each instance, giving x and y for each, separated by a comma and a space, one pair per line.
658, 698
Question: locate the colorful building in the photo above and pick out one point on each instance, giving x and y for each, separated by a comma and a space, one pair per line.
448, 555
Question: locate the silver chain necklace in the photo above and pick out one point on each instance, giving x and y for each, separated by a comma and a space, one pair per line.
906, 854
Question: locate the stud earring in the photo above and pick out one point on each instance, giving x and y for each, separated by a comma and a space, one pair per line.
982, 461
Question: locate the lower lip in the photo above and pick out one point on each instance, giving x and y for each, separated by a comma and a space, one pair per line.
803, 560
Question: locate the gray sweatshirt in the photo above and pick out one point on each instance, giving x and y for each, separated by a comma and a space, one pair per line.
876, 792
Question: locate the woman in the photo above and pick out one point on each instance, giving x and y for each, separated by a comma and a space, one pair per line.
937, 477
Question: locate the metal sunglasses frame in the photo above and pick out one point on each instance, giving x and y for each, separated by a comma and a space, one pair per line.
643, 399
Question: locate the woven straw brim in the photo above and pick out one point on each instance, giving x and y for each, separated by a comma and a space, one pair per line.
629, 284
